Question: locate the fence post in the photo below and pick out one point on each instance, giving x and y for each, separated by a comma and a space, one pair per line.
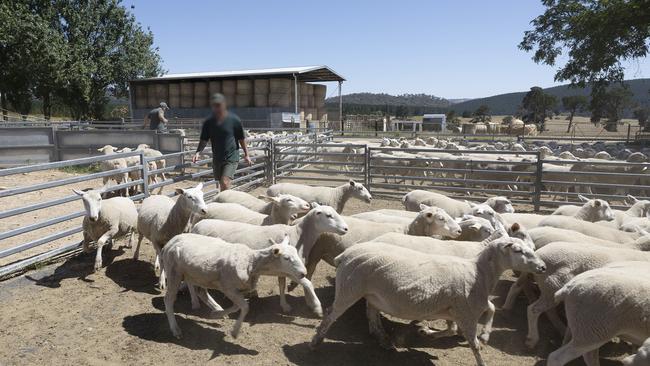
145, 175
537, 195
627, 140
272, 158
366, 166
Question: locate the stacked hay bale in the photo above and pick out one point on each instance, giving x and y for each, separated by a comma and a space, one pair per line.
152, 101
244, 93
229, 90
174, 95
162, 93
140, 93
201, 94
279, 93
320, 91
261, 93
187, 94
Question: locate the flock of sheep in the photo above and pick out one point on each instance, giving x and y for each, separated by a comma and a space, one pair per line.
440, 258
123, 163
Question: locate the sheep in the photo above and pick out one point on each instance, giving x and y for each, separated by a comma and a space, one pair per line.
113, 164
567, 155
381, 218
621, 291
135, 174
245, 199
641, 358
474, 228
603, 155
334, 197
455, 208
152, 153
284, 210
212, 263
637, 157
565, 260
429, 221
412, 285
160, 219
544, 235
106, 220
592, 210
305, 231
588, 228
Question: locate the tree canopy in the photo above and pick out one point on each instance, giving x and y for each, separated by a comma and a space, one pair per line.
481, 114
537, 106
573, 104
75, 53
594, 35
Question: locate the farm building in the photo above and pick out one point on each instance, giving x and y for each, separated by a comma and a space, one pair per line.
261, 98
434, 122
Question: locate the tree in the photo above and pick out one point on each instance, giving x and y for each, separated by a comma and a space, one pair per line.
537, 106
466, 114
401, 111
452, 118
481, 114
642, 114
609, 103
596, 34
573, 104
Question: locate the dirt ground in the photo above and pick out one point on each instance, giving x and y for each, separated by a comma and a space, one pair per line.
64, 314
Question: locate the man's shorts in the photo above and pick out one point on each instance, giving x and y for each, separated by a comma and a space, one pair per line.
224, 169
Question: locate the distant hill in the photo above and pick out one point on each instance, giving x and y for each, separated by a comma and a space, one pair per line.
509, 103
407, 100
459, 100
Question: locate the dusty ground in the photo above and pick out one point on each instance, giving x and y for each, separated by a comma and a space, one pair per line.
64, 314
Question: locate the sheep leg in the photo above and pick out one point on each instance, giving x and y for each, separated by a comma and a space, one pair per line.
204, 295
569, 352
469, 327
194, 299
452, 330
136, 252
487, 329
311, 263
85, 244
100, 243
310, 297
282, 285
130, 245
239, 301
376, 328
170, 298
125, 179
554, 318
339, 307
534, 311
514, 291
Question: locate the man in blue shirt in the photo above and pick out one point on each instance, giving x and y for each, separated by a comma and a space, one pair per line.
226, 134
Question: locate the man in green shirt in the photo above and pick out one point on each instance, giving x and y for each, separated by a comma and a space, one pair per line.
226, 134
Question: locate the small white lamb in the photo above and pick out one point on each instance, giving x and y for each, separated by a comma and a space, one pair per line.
333, 197
284, 209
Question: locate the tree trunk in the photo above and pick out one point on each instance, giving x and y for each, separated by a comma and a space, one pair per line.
4, 106
47, 106
568, 130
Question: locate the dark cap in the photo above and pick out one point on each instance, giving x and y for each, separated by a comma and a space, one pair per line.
218, 98
163, 105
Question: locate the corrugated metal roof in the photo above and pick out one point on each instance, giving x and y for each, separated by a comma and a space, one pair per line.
305, 73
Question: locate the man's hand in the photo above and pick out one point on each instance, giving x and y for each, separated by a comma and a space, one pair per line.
248, 160
195, 157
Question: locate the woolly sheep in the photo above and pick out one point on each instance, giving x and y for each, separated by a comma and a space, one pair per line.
212, 263
429, 221
564, 261
245, 199
588, 228
455, 208
113, 164
411, 285
153, 153
303, 234
135, 174
621, 291
544, 235
284, 210
474, 228
334, 197
106, 220
160, 218
592, 210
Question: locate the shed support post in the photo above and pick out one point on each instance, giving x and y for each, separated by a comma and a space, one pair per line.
537, 194
295, 93
341, 107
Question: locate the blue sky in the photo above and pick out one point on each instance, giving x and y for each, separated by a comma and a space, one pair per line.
449, 48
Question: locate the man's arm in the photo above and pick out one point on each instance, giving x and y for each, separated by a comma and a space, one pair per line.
161, 115
146, 122
247, 158
203, 141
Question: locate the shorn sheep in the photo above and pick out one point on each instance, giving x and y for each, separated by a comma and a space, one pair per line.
592, 210
113, 164
284, 209
334, 197
415, 286
608, 302
247, 200
211, 263
455, 208
106, 220
303, 234
160, 218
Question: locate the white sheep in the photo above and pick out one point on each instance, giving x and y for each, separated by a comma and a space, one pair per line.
303, 234
106, 220
245, 199
415, 286
284, 209
474, 228
334, 197
212, 263
618, 305
136, 174
160, 219
592, 210
564, 261
544, 235
429, 221
113, 164
455, 208
589, 228
153, 153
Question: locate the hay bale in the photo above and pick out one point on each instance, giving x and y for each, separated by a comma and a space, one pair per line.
152, 101
279, 86
260, 100
140, 94
162, 92
322, 114
214, 86
306, 89
187, 94
469, 128
310, 101
244, 87
201, 94
261, 86
174, 95
279, 100
242, 100
229, 87
303, 101
320, 90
